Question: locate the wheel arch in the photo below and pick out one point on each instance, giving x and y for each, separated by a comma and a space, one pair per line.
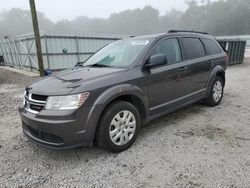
133, 99
217, 71
125, 92
221, 74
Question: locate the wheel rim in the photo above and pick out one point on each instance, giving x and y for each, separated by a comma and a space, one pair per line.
122, 127
217, 91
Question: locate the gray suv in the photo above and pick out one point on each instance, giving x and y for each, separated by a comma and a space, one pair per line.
106, 99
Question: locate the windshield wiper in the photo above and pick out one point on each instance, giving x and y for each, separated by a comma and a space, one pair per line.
79, 64
99, 65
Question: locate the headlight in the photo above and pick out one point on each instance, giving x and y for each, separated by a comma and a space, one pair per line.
66, 102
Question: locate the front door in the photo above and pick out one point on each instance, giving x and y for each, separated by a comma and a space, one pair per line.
165, 82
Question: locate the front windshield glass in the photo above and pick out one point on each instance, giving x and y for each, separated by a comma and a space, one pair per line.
118, 54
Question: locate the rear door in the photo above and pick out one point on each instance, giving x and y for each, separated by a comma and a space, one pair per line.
214, 52
197, 64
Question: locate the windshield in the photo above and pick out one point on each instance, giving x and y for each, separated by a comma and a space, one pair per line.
118, 54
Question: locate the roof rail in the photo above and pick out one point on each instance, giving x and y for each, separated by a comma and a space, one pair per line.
187, 31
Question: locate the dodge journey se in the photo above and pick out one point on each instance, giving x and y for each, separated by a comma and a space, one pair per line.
106, 99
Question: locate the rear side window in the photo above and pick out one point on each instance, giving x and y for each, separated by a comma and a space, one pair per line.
169, 47
211, 46
193, 48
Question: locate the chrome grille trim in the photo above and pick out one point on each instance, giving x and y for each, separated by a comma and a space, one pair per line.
32, 111
29, 101
35, 101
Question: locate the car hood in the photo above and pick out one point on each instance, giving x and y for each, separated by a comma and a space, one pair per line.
62, 83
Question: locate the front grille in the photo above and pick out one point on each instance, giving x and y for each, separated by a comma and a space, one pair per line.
34, 103
36, 107
39, 97
44, 136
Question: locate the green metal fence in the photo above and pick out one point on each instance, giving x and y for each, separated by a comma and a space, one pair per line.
59, 51
235, 50
64, 51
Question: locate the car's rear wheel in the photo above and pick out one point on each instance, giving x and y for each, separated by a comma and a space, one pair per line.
118, 127
216, 92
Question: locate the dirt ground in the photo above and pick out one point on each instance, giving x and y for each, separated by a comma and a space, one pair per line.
197, 146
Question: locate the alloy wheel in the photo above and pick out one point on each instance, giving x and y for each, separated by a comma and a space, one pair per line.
217, 91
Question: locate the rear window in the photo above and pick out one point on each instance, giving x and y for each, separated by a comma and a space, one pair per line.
193, 48
211, 46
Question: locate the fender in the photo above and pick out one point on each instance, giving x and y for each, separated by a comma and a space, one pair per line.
119, 90
212, 76
105, 98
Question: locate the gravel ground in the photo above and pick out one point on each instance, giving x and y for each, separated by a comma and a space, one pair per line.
197, 146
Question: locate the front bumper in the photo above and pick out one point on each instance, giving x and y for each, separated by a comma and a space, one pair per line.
61, 129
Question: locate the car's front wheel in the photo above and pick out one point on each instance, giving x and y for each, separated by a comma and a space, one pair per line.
216, 92
118, 127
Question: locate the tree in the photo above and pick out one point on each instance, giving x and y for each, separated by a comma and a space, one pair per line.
18, 21
135, 22
170, 21
222, 17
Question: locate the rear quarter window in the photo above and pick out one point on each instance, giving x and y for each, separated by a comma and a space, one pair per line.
193, 48
211, 46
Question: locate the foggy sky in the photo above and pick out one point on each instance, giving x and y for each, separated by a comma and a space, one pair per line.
70, 9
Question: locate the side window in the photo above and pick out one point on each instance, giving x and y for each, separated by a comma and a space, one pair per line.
171, 48
211, 46
193, 48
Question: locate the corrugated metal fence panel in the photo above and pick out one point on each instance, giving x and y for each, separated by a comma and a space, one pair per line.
28, 50
66, 51
56, 57
235, 50
4, 50
59, 51
58, 62
15, 53
92, 45
1, 51
56, 45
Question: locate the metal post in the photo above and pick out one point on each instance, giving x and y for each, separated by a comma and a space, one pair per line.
17, 54
37, 37
77, 48
46, 48
7, 52
10, 53
28, 53
2, 52
13, 58
4, 58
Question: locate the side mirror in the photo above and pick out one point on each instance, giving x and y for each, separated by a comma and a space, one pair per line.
156, 60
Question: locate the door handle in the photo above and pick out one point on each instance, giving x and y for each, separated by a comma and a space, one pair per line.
183, 69
211, 60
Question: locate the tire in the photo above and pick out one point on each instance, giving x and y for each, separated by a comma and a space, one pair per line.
216, 92
113, 124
